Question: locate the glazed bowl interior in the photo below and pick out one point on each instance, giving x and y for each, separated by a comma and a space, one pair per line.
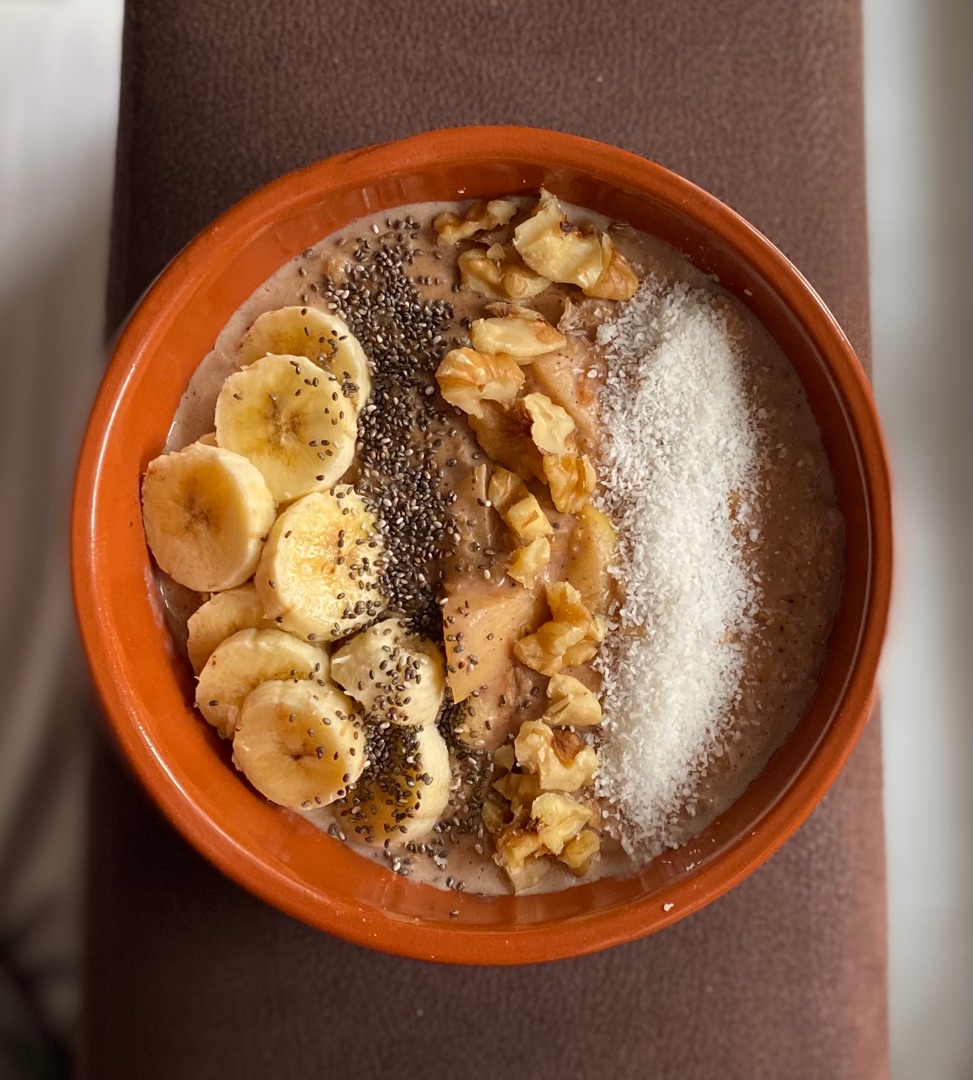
147, 688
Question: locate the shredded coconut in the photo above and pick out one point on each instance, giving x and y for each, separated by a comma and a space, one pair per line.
680, 479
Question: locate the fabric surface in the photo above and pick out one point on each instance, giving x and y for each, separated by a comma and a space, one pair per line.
785, 977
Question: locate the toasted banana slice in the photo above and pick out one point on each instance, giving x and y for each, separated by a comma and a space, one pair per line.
317, 335
319, 573
220, 617
397, 676
207, 513
403, 798
245, 660
290, 419
299, 743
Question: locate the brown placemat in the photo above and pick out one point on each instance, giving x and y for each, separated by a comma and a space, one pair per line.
760, 102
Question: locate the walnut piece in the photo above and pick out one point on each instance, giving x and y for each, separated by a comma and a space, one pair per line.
551, 427
498, 272
559, 818
618, 280
480, 217
591, 552
526, 520
505, 489
519, 854
467, 378
559, 759
571, 478
520, 335
528, 562
572, 636
553, 246
545, 651
572, 703
579, 851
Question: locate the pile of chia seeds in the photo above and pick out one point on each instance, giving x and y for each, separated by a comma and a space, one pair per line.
405, 337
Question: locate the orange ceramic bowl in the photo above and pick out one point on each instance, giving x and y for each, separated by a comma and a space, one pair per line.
147, 689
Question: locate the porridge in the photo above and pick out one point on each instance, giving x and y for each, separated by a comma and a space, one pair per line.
501, 541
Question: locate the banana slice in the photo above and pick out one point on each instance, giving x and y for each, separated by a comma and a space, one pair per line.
406, 794
243, 662
220, 617
317, 335
292, 420
319, 573
206, 513
397, 675
299, 743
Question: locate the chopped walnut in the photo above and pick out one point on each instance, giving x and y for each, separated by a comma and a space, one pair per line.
553, 246
505, 489
526, 519
618, 280
519, 854
572, 703
560, 759
571, 478
499, 273
520, 335
578, 852
558, 819
494, 813
545, 651
566, 605
519, 789
571, 637
551, 428
467, 378
528, 562
480, 217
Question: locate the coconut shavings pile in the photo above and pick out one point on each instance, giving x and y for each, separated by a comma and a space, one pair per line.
679, 473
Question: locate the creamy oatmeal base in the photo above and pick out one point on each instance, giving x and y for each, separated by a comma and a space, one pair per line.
426, 472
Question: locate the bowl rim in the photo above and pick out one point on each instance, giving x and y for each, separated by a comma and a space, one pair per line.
470, 943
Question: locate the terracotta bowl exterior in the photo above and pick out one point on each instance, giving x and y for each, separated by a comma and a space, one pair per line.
146, 688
